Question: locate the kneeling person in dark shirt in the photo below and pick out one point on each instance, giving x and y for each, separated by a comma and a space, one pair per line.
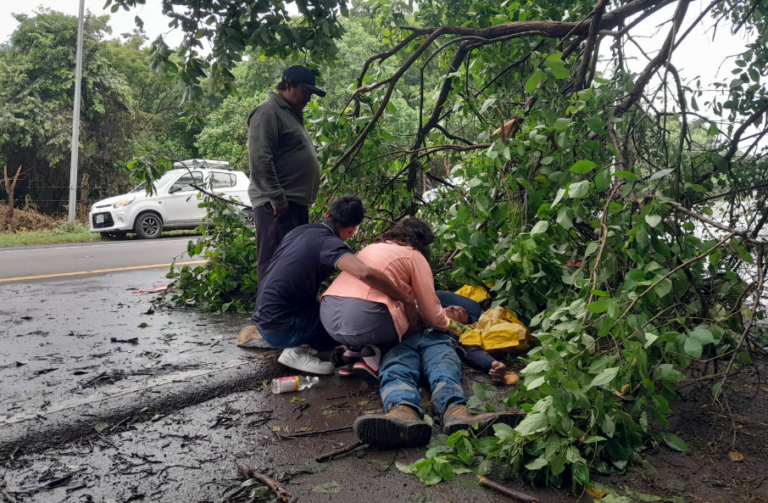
287, 310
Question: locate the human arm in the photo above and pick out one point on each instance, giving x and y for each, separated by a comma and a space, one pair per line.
423, 285
376, 279
263, 135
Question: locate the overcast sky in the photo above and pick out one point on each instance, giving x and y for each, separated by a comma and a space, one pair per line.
697, 56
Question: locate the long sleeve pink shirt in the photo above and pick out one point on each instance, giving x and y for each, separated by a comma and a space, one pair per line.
409, 271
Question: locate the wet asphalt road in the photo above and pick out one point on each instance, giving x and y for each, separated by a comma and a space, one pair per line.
25, 262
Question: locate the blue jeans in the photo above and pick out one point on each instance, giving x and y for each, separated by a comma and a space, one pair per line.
431, 353
454, 299
305, 328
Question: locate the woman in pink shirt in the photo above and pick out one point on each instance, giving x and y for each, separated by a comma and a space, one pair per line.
367, 320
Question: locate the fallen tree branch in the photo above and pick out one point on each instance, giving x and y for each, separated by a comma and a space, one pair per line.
506, 491
249, 473
742, 234
670, 273
594, 28
338, 452
317, 433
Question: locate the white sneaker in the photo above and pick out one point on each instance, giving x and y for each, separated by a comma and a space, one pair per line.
303, 358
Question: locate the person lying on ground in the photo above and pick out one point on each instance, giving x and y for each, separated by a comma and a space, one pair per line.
370, 321
467, 312
287, 310
434, 354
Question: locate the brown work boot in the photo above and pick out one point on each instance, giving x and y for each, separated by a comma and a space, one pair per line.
458, 418
400, 427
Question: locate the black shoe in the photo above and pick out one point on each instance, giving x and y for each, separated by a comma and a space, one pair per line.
400, 427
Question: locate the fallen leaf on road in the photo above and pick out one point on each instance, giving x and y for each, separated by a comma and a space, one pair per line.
596, 490
143, 325
276, 428
736, 456
100, 426
298, 399
330, 487
381, 465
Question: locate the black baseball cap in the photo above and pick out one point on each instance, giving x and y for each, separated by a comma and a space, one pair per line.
302, 75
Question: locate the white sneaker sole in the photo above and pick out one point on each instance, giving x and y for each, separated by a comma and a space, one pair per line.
300, 365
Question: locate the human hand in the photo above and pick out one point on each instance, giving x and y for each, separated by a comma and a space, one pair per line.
456, 328
280, 209
497, 371
411, 313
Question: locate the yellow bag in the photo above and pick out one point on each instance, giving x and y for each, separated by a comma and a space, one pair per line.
498, 329
476, 293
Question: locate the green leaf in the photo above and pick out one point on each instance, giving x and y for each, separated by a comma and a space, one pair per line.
578, 190
661, 174
663, 288
533, 423
583, 167
665, 372
692, 347
540, 227
537, 464
674, 442
598, 306
558, 464
533, 81
565, 217
405, 468
602, 180
558, 197
604, 377
330, 487
593, 439
661, 404
596, 126
653, 220
609, 426
561, 124
702, 335
627, 175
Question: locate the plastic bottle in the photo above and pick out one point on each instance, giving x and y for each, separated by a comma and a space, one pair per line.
293, 383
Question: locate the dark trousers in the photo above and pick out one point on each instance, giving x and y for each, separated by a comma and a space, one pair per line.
270, 230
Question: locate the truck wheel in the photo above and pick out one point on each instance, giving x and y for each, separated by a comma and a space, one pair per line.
148, 226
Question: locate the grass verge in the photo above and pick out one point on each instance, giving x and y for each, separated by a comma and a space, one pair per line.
62, 234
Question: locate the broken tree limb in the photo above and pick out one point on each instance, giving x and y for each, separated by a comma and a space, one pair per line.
248, 472
317, 433
506, 491
338, 452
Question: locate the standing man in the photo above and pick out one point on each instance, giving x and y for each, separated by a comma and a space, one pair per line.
285, 174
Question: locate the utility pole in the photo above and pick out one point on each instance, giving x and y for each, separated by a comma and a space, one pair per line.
76, 117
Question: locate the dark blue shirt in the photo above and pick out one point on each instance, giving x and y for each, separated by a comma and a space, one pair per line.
306, 257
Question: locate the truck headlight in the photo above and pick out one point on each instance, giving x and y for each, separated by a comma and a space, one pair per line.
124, 202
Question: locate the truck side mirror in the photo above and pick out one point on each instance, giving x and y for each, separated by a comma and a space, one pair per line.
175, 188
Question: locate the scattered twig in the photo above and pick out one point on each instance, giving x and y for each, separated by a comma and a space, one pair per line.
338, 452
506, 491
249, 473
317, 433
133, 340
